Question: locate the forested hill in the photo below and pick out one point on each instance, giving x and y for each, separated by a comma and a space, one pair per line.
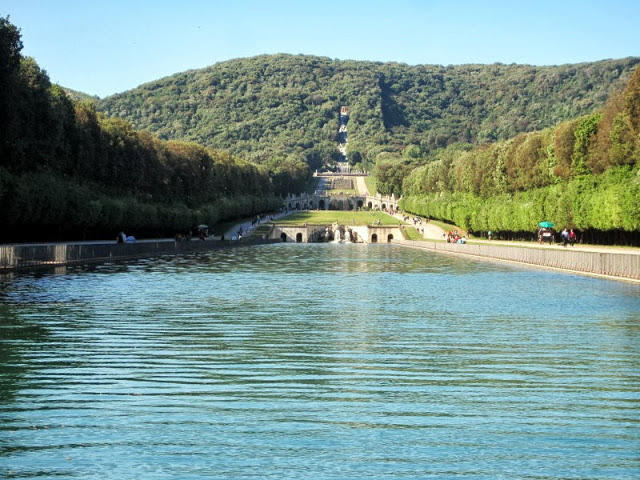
77, 96
289, 103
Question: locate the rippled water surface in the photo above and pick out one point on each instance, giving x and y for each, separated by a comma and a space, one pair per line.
318, 361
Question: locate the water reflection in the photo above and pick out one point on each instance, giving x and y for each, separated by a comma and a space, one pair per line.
319, 361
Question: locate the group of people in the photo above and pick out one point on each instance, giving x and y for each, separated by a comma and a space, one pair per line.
568, 236
454, 237
416, 220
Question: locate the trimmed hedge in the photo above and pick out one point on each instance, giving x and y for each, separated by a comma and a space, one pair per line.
606, 202
49, 207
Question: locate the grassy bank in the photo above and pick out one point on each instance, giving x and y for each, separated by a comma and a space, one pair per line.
371, 184
326, 217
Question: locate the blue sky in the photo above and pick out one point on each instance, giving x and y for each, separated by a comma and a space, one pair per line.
105, 47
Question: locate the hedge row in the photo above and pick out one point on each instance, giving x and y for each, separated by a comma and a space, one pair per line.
48, 207
605, 202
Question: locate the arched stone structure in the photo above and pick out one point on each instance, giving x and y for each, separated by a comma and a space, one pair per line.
354, 233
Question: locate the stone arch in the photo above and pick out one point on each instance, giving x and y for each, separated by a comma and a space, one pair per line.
370, 205
384, 205
298, 206
299, 237
283, 237
374, 238
359, 203
289, 205
389, 237
311, 204
321, 205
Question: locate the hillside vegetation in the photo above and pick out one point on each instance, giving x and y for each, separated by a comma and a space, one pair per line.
279, 105
68, 172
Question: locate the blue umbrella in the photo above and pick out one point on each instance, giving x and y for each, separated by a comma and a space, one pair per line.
546, 224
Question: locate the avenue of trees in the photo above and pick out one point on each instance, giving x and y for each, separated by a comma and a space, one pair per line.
67, 171
583, 173
488, 147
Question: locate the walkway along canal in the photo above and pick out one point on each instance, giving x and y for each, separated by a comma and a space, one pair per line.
616, 265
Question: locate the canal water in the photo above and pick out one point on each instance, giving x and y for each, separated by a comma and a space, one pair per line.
318, 361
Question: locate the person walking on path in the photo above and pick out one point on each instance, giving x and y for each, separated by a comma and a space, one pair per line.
565, 237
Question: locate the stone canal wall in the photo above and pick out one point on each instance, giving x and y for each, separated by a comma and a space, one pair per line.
614, 264
40, 255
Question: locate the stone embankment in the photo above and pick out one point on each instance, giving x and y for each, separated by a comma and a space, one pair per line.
614, 264
30, 256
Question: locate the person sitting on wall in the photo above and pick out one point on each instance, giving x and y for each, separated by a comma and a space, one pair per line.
121, 238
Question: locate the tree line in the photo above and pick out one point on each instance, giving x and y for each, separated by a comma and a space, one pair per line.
68, 171
583, 173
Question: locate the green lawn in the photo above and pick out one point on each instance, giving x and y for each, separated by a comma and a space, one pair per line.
450, 227
371, 184
327, 217
412, 233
